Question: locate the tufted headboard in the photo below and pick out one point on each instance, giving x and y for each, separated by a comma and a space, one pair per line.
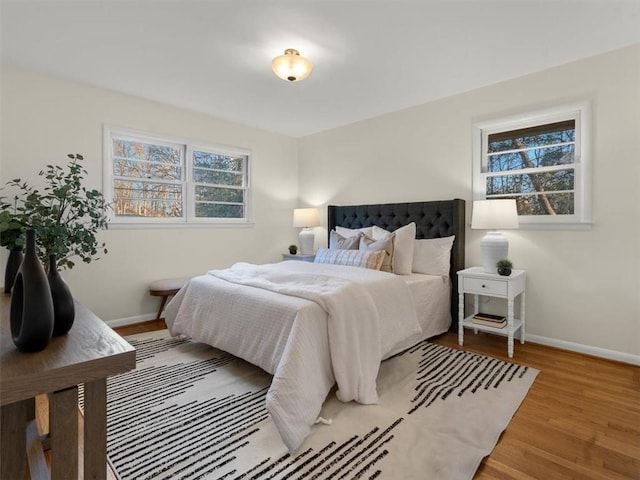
433, 220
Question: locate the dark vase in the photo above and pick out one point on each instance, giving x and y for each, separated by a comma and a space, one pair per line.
13, 264
504, 271
31, 303
64, 311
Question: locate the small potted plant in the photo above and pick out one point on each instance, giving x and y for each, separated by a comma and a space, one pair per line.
293, 249
504, 267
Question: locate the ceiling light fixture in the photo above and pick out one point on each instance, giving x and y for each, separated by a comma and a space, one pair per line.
291, 66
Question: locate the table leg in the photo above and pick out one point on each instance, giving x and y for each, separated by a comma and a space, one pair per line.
522, 295
510, 327
63, 427
13, 435
95, 430
476, 309
460, 318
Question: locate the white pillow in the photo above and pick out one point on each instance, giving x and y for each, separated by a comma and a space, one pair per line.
339, 242
354, 232
386, 244
432, 255
402, 260
351, 258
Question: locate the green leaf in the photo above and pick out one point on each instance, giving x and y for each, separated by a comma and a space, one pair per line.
65, 217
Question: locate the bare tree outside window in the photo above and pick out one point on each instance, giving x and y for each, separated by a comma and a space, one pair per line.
530, 165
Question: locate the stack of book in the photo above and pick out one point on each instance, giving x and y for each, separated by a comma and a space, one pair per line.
496, 321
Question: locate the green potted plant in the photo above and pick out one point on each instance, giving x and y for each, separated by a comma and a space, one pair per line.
66, 218
293, 249
504, 267
65, 215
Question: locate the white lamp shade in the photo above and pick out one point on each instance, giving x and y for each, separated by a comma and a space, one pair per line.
306, 217
491, 215
291, 66
494, 214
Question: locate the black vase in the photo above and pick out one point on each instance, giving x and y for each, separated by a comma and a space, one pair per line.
13, 264
31, 303
64, 311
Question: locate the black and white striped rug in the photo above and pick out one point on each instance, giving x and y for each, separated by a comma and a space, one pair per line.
190, 411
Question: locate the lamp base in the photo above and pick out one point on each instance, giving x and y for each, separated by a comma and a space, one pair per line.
494, 246
306, 239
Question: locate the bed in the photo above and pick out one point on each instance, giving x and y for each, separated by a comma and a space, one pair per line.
284, 317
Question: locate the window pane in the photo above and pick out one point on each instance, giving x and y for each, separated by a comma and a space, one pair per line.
217, 178
546, 204
213, 210
138, 169
214, 194
217, 161
548, 134
534, 158
149, 152
147, 199
533, 182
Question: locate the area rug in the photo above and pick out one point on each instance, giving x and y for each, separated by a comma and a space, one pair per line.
190, 411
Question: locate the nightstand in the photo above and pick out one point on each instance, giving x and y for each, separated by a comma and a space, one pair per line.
303, 258
476, 282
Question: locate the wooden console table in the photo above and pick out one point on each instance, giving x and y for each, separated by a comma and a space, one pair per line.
87, 355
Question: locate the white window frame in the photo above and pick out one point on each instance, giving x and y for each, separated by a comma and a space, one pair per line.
188, 191
579, 112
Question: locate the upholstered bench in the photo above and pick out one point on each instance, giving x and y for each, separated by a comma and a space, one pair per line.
165, 288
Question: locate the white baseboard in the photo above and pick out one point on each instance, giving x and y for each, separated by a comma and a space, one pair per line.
586, 349
121, 322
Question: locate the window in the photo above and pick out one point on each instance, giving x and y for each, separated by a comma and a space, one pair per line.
541, 160
152, 180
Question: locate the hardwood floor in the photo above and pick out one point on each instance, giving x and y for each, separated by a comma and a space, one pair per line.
580, 420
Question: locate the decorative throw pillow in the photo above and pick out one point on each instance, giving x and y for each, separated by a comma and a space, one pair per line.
402, 260
355, 232
338, 242
432, 255
386, 244
351, 258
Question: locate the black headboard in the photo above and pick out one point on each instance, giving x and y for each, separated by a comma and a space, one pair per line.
433, 220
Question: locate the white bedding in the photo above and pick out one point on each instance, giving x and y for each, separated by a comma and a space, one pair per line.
290, 336
432, 299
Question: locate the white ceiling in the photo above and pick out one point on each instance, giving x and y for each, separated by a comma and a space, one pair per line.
370, 57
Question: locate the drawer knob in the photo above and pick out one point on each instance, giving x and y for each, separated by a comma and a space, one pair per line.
483, 286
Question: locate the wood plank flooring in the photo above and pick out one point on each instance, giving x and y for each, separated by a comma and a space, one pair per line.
580, 420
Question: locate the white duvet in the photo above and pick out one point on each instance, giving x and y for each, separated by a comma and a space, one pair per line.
309, 325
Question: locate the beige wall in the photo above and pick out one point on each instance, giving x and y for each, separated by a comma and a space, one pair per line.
583, 286
44, 118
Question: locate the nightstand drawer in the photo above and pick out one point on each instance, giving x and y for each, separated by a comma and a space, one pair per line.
485, 287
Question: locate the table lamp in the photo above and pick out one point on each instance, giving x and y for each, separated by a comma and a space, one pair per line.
493, 215
306, 218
